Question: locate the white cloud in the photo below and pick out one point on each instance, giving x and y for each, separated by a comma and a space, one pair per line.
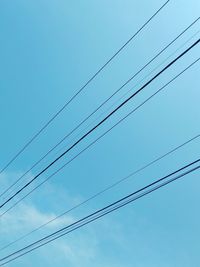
27, 216
80, 248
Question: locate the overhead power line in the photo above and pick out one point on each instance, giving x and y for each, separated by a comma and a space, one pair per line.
133, 173
103, 211
100, 106
101, 122
131, 112
80, 90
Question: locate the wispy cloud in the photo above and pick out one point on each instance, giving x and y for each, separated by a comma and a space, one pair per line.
80, 248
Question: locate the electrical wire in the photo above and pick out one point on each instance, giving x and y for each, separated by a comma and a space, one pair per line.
101, 212
80, 90
102, 121
131, 112
101, 105
138, 83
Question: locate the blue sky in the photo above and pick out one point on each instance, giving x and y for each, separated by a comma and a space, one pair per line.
48, 50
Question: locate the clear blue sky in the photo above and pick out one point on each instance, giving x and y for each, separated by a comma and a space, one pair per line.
48, 50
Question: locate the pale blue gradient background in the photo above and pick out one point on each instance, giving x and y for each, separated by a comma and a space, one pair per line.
48, 49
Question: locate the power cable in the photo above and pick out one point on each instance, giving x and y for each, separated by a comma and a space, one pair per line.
131, 112
102, 121
101, 105
101, 212
80, 90
138, 83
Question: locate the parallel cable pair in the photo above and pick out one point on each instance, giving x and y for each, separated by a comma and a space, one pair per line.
148, 189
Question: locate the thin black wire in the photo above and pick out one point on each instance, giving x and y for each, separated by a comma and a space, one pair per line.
118, 100
102, 121
131, 112
91, 114
81, 89
102, 212
62, 231
102, 191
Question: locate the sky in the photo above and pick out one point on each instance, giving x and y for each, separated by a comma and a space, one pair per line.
48, 50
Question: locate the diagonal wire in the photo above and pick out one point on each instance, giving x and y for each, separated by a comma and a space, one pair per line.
102, 121
80, 90
131, 112
101, 212
133, 173
101, 105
